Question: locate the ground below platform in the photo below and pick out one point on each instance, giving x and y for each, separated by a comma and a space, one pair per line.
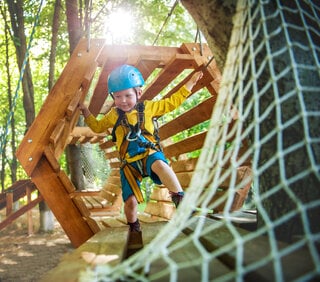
26, 258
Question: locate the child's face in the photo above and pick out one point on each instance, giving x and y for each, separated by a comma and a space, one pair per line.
126, 100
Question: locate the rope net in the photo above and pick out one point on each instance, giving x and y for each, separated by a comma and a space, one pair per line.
271, 77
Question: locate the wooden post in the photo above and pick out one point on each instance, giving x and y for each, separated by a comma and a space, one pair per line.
9, 199
29, 213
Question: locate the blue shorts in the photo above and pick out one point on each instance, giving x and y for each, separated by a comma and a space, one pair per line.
126, 189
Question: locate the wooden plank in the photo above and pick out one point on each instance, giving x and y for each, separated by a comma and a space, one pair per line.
196, 115
57, 132
29, 212
147, 64
52, 159
106, 245
107, 144
188, 255
112, 188
184, 178
114, 180
73, 140
184, 165
100, 92
93, 202
190, 144
73, 105
66, 182
114, 164
112, 154
160, 194
178, 63
80, 131
81, 63
122, 52
62, 138
149, 218
293, 264
9, 203
110, 197
64, 209
161, 209
94, 226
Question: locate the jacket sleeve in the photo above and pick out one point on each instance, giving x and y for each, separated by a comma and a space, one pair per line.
102, 125
167, 105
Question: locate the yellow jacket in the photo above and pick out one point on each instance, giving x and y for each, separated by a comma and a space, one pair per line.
152, 109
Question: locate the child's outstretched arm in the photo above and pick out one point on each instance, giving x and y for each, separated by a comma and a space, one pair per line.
193, 80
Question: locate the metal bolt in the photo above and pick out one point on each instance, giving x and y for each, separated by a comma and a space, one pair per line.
30, 159
194, 48
29, 140
79, 54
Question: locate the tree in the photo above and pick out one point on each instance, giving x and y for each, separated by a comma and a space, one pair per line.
75, 31
13, 166
20, 43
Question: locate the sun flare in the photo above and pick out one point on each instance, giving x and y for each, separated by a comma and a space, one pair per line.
120, 26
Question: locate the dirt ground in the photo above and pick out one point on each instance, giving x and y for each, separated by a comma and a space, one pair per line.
26, 257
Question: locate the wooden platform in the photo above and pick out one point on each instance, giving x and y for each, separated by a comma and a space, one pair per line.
108, 247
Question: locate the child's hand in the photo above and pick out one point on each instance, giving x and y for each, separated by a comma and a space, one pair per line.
194, 79
83, 108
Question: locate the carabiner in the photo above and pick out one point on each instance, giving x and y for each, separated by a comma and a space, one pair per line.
136, 135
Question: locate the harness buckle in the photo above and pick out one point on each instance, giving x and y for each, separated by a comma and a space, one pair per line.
137, 135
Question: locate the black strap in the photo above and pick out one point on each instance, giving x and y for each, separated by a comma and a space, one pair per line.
122, 118
121, 115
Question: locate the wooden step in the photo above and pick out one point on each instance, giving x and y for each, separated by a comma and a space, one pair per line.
105, 247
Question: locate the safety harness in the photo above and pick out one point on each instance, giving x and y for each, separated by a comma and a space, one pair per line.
135, 132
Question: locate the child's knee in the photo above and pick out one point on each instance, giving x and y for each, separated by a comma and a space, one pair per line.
131, 202
159, 165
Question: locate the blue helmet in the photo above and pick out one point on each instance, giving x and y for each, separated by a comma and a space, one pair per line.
124, 77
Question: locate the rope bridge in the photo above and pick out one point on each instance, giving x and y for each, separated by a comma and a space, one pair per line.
272, 79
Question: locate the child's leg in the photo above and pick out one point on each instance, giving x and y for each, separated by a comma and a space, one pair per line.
130, 211
168, 179
166, 175
130, 203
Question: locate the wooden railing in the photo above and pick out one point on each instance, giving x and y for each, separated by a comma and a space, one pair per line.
19, 190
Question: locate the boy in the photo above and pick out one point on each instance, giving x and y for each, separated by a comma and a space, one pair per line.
133, 132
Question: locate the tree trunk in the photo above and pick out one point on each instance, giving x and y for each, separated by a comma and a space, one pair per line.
72, 151
215, 20
54, 41
13, 165
17, 24
75, 168
46, 218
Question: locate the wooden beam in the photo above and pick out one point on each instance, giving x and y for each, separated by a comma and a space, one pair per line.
178, 63
80, 131
57, 197
187, 145
196, 115
123, 52
80, 66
